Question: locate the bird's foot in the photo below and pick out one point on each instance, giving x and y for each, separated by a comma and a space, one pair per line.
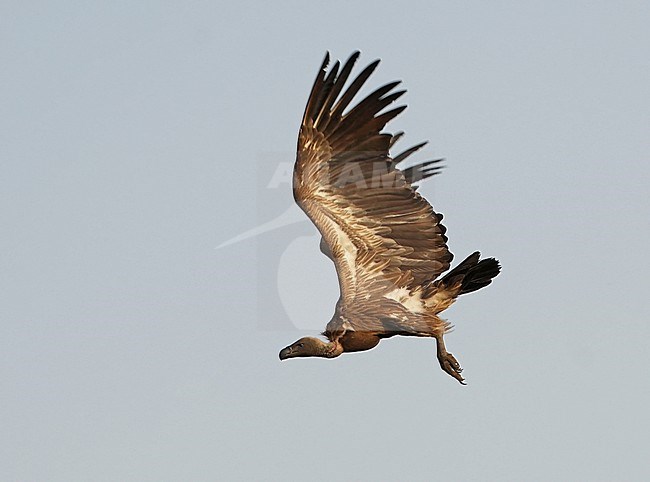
450, 365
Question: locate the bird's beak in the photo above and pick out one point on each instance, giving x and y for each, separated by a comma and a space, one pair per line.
285, 353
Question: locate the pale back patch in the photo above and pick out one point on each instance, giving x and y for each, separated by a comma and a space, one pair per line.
412, 301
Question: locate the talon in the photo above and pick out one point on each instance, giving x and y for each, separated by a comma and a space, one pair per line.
450, 365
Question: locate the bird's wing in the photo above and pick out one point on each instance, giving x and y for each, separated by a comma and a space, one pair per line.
379, 231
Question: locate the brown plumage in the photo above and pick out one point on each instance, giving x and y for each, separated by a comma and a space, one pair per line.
387, 243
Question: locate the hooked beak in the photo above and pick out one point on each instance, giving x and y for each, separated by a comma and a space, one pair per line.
285, 353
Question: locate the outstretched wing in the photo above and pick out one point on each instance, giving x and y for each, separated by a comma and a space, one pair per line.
379, 231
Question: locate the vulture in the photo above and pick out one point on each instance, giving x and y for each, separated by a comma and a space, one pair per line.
387, 243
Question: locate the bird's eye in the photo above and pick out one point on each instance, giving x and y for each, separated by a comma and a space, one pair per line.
299, 345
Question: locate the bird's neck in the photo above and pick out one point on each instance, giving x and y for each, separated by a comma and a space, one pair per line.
327, 349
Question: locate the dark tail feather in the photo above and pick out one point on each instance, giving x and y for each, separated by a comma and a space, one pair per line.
472, 273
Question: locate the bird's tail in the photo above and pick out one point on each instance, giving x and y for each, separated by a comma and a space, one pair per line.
472, 274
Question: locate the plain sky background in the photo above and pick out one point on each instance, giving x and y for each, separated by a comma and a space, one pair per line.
135, 137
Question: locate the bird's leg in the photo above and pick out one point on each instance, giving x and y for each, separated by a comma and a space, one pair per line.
448, 362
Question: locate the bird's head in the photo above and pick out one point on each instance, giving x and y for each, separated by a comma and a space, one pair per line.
309, 346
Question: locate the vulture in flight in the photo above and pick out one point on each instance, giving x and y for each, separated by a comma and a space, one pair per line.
387, 243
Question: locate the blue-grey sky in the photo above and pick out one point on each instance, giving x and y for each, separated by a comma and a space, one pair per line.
136, 137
